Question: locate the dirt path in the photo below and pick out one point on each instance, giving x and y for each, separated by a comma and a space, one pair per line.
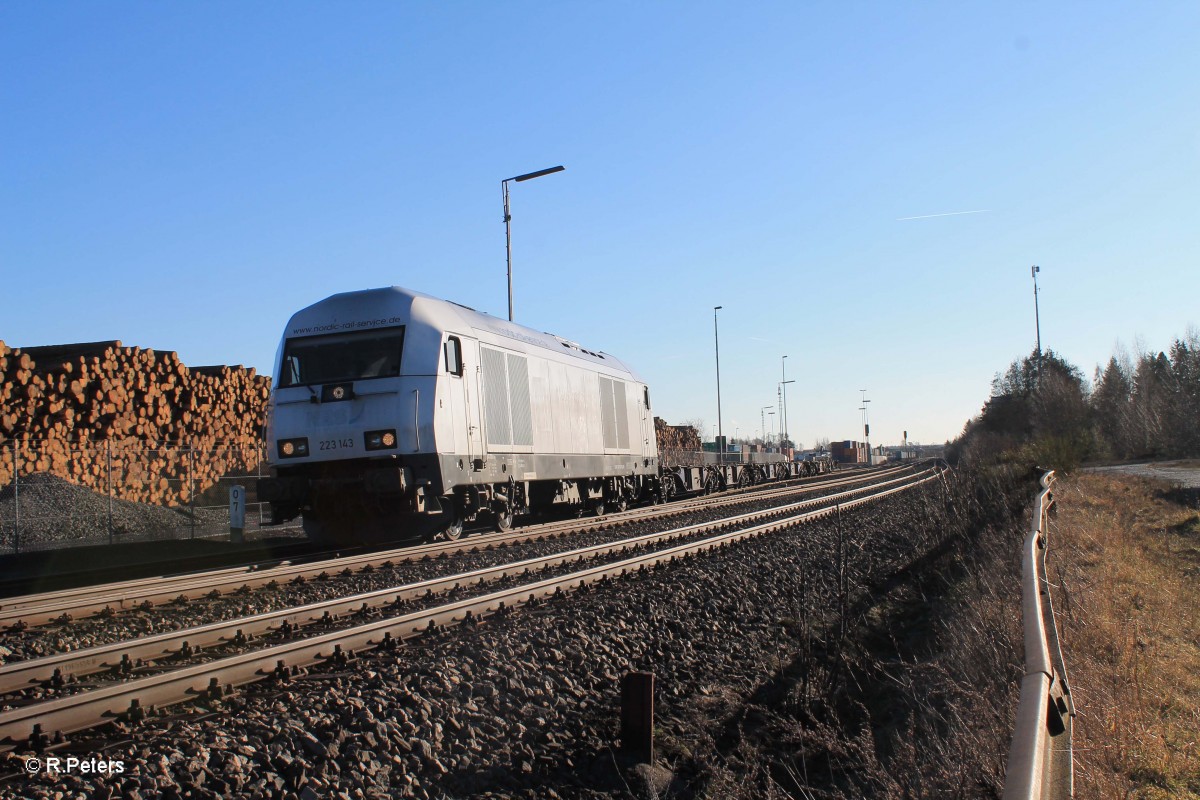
1185, 473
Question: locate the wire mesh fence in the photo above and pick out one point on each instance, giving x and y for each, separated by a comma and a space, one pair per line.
55, 494
675, 456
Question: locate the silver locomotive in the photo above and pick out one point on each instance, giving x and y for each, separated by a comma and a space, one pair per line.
393, 412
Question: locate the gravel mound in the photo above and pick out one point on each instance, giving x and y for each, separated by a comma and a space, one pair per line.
56, 513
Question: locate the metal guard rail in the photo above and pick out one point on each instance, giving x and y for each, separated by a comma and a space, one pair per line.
1040, 760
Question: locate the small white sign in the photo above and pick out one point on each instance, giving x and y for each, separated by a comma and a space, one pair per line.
237, 507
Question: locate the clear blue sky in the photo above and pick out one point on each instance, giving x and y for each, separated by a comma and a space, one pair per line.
186, 175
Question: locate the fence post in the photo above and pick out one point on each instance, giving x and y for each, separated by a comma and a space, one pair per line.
16, 497
258, 474
637, 715
192, 486
108, 479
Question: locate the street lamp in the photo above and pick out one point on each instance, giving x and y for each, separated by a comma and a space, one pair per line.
1037, 321
783, 426
508, 217
717, 347
783, 434
866, 425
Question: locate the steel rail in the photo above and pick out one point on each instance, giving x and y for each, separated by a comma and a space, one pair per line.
115, 591
108, 598
131, 699
1040, 758
118, 656
144, 593
16, 602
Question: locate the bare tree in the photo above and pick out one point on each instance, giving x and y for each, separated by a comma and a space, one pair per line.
696, 424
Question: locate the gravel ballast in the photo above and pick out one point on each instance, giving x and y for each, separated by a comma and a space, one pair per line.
82, 633
526, 705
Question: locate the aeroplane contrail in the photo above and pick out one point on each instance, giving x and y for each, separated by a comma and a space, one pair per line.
947, 214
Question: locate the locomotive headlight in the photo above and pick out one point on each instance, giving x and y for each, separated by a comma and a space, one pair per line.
293, 448
380, 440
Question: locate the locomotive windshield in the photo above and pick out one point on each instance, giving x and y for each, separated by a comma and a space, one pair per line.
342, 357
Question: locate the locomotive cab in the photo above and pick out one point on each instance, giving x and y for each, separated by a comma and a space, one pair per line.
340, 449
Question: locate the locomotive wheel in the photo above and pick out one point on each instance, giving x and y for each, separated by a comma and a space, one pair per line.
454, 531
712, 484
598, 508
621, 504
744, 479
504, 519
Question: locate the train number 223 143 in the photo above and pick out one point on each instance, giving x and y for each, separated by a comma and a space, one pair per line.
337, 444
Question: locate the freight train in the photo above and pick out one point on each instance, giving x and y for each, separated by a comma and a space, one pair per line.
396, 413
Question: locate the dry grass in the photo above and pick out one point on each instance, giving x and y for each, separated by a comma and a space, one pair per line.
1128, 564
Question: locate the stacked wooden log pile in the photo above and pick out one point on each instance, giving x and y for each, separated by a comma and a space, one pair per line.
676, 437
162, 431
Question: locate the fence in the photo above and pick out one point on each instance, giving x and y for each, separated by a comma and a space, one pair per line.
1040, 760
677, 457
55, 494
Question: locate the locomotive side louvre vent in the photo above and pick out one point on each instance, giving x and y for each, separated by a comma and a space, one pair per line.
613, 416
608, 416
518, 400
506, 398
495, 396
622, 416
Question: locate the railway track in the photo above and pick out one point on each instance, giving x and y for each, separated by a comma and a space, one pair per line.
120, 656
61, 607
131, 699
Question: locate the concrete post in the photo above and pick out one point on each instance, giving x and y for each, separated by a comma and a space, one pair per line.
637, 715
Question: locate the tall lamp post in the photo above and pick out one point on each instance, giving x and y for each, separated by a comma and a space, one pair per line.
779, 405
762, 412
866, 425
717, 346
784, 439
783, 421
508, 218
1037, 320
